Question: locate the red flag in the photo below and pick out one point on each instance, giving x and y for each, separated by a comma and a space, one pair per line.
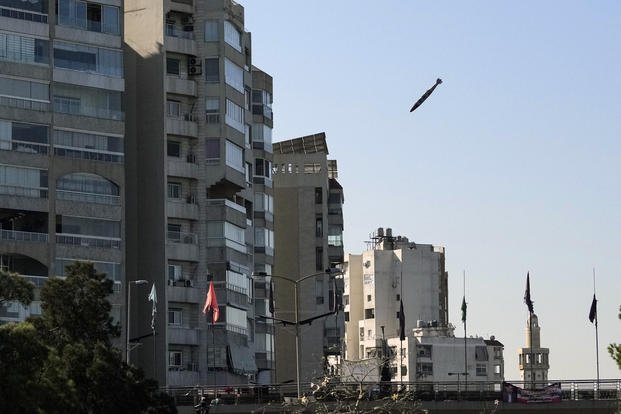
211, 303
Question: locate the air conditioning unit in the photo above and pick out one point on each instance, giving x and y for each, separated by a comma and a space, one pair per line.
194, 70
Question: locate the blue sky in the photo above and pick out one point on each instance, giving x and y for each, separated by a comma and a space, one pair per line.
513, 164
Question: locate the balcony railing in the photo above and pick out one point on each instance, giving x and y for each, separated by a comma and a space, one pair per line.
38, 281
86, 154
112, 200
174, 31
23, 146
24, 103
23, 191
73, 107
23, 15
227, 203
27, 236
182, 237
88, 241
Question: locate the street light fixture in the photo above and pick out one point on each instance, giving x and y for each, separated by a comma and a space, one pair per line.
129, 298
333, 273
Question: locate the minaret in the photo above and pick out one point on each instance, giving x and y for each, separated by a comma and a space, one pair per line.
533, 359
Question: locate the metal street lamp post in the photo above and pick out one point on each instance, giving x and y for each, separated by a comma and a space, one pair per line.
332, 272
129, 298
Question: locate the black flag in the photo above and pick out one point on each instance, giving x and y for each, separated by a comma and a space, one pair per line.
426, 95
464, 307
271, 304
527, 300
401, 322
593, 311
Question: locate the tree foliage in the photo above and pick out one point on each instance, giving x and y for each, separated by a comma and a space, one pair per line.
13, 287
615, 349
65, 359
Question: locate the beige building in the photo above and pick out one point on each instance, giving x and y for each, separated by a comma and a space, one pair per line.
533, 360
199, 133
62, 142
308, 237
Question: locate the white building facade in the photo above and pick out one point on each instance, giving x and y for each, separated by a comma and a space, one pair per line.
394, 271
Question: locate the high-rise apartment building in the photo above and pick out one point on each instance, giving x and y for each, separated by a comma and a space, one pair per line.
62, 140
395, 271
308, 237
199, 188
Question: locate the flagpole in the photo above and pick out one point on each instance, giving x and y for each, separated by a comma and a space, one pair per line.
465, 343
400, 334
596, 333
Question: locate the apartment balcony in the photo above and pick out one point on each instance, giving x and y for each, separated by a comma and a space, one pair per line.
179, 41
226, 210
185, 291
183, 208
182, 336
182, 125
183, 167
20, 103
180, 86
89, 79
37, 281
182, 246
182, 378
24, 146
23, 236
88, 241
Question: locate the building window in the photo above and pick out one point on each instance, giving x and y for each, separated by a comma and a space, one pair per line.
212, 149
346, 316
318, 195
212, 70
398, 297
235, 116
175, 359
232, 36
480, 353
211, 30
319, 292
369, 313
368, 298
423, 351
481, 370
497, 369
174, 272
173, 108
212, 110
89, 16
319, 258
173, 149
319, 227
174, 190
424, 368
175, 317
173, 66
233, 75
17, 48
234, 156
174, 232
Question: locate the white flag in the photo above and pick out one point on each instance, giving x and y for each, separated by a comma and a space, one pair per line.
153, 298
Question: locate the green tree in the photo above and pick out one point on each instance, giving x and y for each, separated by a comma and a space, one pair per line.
13, 287
22, 356
83, 366
615, 349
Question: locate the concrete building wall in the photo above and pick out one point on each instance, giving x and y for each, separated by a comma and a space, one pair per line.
301, 191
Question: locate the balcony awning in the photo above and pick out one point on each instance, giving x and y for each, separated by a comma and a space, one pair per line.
242, 359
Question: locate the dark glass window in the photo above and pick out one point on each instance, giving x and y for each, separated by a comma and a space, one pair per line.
173, 149
319, 258
212, 148
318, 195
29, 132
172, 66
212, 70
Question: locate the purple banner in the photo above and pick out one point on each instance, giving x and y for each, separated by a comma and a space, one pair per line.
549, 394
